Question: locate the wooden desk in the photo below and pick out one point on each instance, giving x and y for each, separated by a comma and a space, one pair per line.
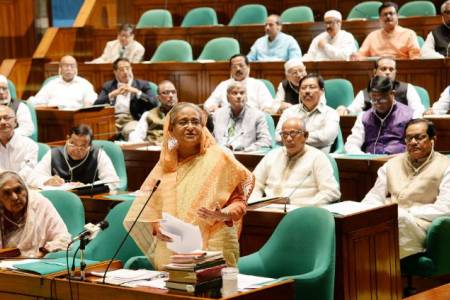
367, 254
438, 293
55, 125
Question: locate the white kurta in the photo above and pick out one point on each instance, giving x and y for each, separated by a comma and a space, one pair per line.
441, 106
339, 47
19, 155
25, 123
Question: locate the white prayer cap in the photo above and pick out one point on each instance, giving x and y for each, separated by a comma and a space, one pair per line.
294, 62
3, 79
333, 14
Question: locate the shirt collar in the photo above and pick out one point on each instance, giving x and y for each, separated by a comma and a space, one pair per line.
320, 108
241, 114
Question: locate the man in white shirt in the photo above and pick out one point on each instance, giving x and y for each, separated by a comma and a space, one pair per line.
298, 171
258, 96
437, 43
68, 90
405, 93
77, 161
25, 123
322, 122
123, 46
334, 43
17, 153
441, 106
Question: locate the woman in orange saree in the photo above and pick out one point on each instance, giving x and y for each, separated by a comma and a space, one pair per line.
200, 184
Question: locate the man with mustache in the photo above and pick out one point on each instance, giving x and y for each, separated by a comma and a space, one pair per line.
437, 43
380, 130
391, 39
258, 96
238, 126
418, 180
334, 43
275, 45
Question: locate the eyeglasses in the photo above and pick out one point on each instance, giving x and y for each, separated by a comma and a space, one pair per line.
169, 92
6, 117
292, 134
381, 100
446, 12
185, 122
81, 147
418, 137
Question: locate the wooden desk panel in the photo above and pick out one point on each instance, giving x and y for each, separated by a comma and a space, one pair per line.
367, 255
438, 293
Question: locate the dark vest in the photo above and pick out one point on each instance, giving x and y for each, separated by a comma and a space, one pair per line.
441, 35
400, 94
386, 138
86, 173
14, 105
290, 94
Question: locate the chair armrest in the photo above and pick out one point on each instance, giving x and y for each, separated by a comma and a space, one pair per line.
252, 265
138, 262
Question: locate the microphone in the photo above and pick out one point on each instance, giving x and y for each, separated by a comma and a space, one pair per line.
131, 228
288, 198
91, 230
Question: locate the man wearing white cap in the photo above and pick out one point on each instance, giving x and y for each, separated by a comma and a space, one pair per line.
334, 43
25, 124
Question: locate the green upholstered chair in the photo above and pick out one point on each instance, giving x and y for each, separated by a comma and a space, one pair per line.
335, 168
424, 97
34, 135
155, 18
338, 92
69, 207
249, 14
338, 144
153, 87
271, 125
301, 248
220, 49
173, 50
269, 86
200, 16
12, 89
42, 150
366, 10
297, 14
417, 9
116, 155
48, 79
420, 41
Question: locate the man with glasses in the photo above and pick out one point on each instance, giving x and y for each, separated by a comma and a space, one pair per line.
18, 153
380, 130
296, 170
334, 43
418, 180
437, 43
78, 161
150, 126
391, 39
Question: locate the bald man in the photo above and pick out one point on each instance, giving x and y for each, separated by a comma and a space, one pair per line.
68, 90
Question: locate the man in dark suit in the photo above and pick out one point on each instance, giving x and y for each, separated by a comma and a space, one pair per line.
130, 97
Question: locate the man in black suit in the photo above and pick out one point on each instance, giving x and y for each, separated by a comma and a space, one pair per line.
130, 97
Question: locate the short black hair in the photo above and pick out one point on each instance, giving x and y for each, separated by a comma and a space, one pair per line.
126, 27
117, 61
319, 79
380, 84
83, 130
377, 62
386, 5
431, 129
239, 55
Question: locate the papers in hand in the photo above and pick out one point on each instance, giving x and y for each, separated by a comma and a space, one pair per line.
346, 208
185, 237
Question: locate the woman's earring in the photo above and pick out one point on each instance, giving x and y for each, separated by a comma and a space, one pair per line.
172, 143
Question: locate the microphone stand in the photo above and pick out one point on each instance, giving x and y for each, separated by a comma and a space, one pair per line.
81, 248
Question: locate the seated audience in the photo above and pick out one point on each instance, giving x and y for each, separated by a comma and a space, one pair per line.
68, 90
275, 45
258, 95
238, 126
78, 161
419, 182
322, 122
437, 43
298, 171
441, 106
334, 43
380, 130
124, 46
391, 39
150, 126
28, 220
130, 97
18, 153
25, 124
404, 93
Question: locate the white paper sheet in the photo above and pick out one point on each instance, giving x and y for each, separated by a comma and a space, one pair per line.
346, 208
246, 282
8, 264
276, 207
186, 237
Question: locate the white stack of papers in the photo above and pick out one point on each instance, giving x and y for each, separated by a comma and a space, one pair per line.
8, 264
276, 207
186, 237
346, 208
246, 282
131, 278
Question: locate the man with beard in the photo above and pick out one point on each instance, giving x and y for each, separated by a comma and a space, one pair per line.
437, 43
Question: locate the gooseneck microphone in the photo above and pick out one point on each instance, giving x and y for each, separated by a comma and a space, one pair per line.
288, 198
91, 230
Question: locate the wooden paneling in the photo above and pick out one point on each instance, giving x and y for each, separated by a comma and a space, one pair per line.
97, 13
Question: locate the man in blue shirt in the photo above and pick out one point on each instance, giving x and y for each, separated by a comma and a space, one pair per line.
275, 45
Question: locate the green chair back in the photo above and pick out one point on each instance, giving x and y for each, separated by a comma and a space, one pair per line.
155, 18
105, 244
69, 207
301, 248
153, 87
271, 126
12, 89
417, 9
335, 168
200, 16
42, 150
116, 155
338, 145
173, 50
34, 135
48, 79
366, 10
220, 49
249, 14
420, 41
424, 97
269, 86
297, 14
338, 92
